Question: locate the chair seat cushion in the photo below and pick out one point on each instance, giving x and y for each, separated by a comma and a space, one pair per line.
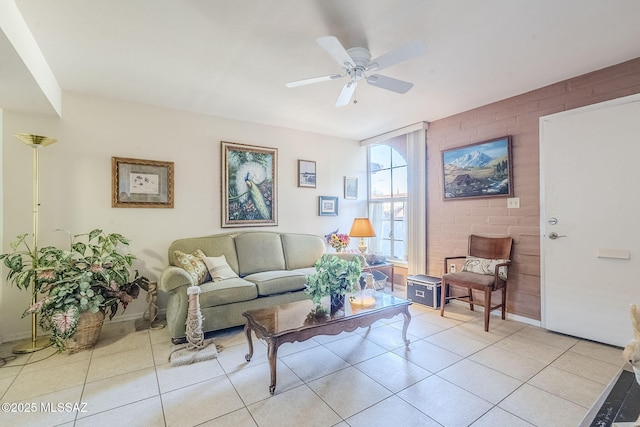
466, 278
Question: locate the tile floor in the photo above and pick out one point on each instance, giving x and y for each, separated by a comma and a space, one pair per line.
452, 374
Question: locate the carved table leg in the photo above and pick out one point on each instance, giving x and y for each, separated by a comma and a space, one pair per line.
272, 356
247, 332
405, 326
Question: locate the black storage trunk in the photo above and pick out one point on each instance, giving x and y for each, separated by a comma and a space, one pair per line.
425, 290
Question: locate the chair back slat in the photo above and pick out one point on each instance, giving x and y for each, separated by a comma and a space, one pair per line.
490, 247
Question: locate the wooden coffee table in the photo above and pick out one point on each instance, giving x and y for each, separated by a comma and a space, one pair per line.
295, 322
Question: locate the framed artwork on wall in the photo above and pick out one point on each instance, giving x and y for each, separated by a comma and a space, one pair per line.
137, 183
350, 187
249, 185
306, 173
478, 170
327, 206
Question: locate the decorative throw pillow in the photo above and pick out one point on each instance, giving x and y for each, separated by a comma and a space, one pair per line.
218, 268
194, 265
485, 266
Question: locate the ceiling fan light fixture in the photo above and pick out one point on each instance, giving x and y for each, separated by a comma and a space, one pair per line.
356, 62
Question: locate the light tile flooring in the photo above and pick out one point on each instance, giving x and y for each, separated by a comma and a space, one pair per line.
452, 374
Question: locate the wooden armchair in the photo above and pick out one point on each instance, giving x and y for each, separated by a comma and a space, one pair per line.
485, 269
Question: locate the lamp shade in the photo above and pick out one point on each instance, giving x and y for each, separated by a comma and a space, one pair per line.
34, 140
362, 228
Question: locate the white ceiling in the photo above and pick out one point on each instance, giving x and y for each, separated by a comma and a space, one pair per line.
233, 58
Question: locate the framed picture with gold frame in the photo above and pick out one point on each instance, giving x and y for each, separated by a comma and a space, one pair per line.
482, 169
137, 183
249, 185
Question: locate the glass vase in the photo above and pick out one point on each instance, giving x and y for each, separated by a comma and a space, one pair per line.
337, 303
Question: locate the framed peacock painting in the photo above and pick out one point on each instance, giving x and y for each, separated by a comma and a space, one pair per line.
249, 185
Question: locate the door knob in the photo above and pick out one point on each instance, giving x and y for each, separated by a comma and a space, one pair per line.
553, 235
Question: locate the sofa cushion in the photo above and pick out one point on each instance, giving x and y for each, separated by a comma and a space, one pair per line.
306, 271
214, 245
302, 250
259, 251
193, 264
226, 292
277, 282
218, 268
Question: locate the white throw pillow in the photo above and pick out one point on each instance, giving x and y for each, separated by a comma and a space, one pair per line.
218, 268
485, 266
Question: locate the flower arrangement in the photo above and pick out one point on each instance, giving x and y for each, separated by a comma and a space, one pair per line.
92, 275
338, 241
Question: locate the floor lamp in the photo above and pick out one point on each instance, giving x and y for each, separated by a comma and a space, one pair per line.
35, 142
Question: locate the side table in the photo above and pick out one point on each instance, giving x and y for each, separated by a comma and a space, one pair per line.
385, 267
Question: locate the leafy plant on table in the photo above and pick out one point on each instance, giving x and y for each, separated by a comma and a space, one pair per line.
334, 276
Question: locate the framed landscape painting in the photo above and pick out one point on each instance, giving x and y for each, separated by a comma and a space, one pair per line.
249, 185
478, 170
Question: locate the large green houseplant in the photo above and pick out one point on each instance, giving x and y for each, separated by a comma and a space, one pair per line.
335, 277
93, 275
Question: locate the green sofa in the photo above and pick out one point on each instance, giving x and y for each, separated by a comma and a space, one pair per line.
272, 269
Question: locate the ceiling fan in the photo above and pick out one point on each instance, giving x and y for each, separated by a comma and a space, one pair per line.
357, 62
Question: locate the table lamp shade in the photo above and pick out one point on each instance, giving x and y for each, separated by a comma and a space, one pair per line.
362, 228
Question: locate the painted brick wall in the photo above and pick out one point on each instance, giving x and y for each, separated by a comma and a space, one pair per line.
450, 222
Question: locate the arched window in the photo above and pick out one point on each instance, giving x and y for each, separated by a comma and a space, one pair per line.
388, 197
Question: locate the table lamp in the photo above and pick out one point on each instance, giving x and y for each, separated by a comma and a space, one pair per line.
362, 228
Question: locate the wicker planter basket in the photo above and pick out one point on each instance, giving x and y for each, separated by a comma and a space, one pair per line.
87, 333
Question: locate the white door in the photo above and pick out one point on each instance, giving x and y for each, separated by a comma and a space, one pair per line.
590, 199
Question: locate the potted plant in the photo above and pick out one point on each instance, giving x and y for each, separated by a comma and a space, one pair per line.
335, 277
82, 283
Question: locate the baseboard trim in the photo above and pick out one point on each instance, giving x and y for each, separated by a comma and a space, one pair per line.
509, 316
20, 336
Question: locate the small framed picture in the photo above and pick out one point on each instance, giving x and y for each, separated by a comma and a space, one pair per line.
350, 187
137, 183
307, 173
327, 206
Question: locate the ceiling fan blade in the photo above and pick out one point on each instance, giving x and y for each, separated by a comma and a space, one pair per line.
333, 46
402, 53
346, 94
313, 80
389, 83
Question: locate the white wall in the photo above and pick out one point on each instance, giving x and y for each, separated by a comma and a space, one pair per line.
75, 181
